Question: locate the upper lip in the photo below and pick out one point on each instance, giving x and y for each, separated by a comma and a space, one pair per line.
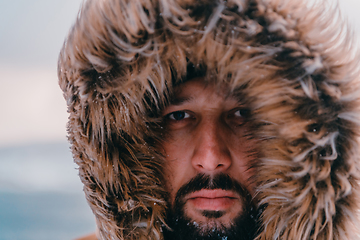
212, 194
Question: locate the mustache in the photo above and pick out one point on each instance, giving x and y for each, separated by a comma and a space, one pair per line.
219, 181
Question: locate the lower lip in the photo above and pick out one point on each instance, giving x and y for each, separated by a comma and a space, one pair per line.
212, 204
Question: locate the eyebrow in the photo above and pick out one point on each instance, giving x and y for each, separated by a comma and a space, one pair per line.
181, 100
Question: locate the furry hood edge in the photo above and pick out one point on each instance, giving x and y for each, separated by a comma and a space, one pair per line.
296, 64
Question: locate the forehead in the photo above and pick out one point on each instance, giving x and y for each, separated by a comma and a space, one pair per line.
198, 90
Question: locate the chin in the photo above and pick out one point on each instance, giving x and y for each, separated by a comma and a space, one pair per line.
213, 218
191, 224
212, 208
210, 225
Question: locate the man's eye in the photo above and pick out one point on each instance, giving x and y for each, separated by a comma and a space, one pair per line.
243, 113
179, 115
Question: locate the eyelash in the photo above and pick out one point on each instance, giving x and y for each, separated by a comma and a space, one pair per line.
242, 113
173, 117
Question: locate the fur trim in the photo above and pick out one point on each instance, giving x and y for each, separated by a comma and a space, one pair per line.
292, 60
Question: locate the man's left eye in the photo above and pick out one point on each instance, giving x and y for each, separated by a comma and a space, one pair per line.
178, 115
243, 113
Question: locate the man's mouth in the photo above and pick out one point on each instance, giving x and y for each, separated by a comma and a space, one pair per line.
213, 200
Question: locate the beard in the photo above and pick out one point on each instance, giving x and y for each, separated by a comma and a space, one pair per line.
242, 227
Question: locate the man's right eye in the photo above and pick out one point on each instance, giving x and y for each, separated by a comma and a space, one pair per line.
178, 115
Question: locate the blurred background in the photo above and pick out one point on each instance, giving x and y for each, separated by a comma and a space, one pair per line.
40, 193
41, 196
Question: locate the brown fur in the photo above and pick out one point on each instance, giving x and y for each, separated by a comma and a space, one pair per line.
296, 65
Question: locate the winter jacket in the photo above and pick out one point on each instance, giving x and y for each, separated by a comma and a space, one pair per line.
297, 65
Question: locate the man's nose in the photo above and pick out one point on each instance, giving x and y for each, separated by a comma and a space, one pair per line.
211, 152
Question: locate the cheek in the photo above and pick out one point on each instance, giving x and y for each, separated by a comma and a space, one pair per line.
178, 169
244, 151
169, 174
243, 143
175, 167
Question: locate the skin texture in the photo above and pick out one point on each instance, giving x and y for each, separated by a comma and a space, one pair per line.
207, 135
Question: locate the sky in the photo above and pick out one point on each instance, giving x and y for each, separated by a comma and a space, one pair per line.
32, 108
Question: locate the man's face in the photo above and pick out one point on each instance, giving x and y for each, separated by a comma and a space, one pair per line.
208, 151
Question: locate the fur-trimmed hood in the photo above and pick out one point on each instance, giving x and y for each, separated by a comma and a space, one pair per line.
295, 63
